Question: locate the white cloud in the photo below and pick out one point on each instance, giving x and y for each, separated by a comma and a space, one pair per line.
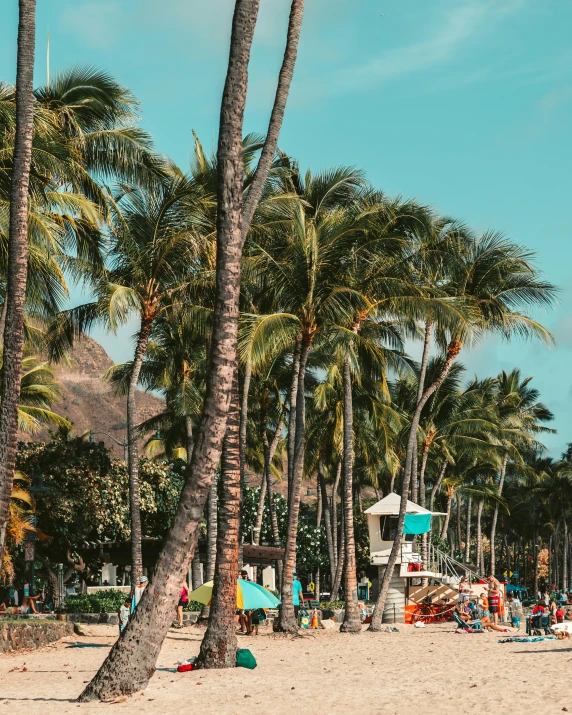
457, 27
97, 24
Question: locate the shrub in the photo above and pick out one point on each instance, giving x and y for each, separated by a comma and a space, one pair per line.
193, 606
105, 601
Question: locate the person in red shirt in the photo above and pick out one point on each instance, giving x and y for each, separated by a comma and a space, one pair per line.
559, 615
539, 608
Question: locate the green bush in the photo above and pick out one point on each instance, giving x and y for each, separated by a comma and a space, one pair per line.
193, 606
105, 601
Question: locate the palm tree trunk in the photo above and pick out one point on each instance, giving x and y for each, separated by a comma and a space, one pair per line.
452, 352
496, 513
132, 660
556, 578
468, 531
459, 535
549, 562
260, 509
351, 622
480, 558
327, 520
565, 557
275, 123
292, 411
218, 648
420, 388
341, 561
189, 443
448, 514
269, 450
437, 485
424, 360
196, 570
133, 451
287, 617
244, 419
263, 484
196, 562
17, 258
335, 512
212, 529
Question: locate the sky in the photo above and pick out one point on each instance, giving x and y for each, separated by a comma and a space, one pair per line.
463, 104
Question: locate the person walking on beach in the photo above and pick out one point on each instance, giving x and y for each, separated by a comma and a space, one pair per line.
183, 600
297, 595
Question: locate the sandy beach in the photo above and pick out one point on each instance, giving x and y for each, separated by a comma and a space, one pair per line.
430, 670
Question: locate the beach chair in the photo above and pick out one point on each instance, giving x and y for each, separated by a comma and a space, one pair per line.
475, 627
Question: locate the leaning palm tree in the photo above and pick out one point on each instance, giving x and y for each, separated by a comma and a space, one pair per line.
18, 257
114, 677
491, 278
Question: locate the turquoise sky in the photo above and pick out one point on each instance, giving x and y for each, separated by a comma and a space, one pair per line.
464, 104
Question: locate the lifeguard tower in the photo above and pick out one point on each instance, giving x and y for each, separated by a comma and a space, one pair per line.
405, 588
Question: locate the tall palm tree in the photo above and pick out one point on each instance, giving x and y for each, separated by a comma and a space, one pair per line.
81, 126
491, 278
298, 264
150, 267
174, 559
520, 418
17, 257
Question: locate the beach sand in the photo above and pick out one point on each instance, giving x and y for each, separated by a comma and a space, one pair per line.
431, 670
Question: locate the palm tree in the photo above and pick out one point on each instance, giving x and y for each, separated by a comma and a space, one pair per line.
82, 125
114, 676
520, 418
17, 257
297, 266
151, 259
491, 278
39, 391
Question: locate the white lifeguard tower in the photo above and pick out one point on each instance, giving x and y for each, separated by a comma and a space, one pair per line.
382, 525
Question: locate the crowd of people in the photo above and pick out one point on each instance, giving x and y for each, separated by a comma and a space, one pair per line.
485, 610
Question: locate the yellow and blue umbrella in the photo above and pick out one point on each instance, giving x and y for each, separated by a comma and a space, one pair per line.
249, 595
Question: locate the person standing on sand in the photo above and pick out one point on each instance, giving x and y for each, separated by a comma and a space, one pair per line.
494, 604
143, 581
297, 595
123, 614
183, 600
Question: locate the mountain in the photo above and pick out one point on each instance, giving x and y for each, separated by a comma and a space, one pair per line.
88, 401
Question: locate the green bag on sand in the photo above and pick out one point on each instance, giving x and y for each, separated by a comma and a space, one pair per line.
245, 659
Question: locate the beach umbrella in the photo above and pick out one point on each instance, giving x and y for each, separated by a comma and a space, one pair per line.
249, 595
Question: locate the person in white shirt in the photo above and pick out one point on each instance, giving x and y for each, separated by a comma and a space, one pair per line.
124, 613
143, 581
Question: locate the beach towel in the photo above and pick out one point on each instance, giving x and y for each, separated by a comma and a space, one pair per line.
529, 639
417, 523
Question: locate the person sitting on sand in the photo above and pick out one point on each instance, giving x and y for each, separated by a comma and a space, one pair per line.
28, 604
485, 622
484, 604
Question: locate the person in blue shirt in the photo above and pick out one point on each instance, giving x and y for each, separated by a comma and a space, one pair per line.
297, 595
